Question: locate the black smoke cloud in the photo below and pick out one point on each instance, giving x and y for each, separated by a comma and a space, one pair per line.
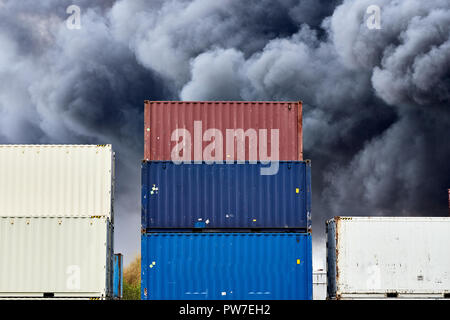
376, 102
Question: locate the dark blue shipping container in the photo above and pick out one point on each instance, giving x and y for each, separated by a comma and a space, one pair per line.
118, 276
225, 196
243, 266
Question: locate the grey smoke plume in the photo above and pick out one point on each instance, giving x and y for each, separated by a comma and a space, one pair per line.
376, 100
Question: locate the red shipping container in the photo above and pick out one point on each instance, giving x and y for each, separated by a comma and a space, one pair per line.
225, 130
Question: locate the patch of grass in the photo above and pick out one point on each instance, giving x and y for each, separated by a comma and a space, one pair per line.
132, 280
131, 292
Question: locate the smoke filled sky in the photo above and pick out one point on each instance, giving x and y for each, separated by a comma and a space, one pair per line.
376, 101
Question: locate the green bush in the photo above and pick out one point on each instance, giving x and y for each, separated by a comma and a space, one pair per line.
131, 292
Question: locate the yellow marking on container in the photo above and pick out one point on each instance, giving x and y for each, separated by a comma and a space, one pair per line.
298, 261
254, 220
297, 190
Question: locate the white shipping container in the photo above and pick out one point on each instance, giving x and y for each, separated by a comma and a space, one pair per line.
388, 257
56, 257
56, 180
319, 285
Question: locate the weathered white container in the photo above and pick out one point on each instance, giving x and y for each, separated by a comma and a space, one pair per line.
56, 180
56, 257
388, 257
319, 285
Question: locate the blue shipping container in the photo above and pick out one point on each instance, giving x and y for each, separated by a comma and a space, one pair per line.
225, 196
216, 266
118, 276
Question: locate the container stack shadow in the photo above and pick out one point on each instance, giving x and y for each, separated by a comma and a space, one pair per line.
219, 220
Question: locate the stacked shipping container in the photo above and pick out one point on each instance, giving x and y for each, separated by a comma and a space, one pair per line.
199, 266
388, 258
222, 217
56, 221
118, 276
221, 196
319, 284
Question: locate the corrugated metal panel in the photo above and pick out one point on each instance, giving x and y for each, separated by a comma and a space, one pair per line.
55, 180
110, 260
66, 257
118, 276
163, 117
225, 196
389, 257
247, 266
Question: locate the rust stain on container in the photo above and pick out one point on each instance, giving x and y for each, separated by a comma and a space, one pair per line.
162, 118
338, 225
300, 130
